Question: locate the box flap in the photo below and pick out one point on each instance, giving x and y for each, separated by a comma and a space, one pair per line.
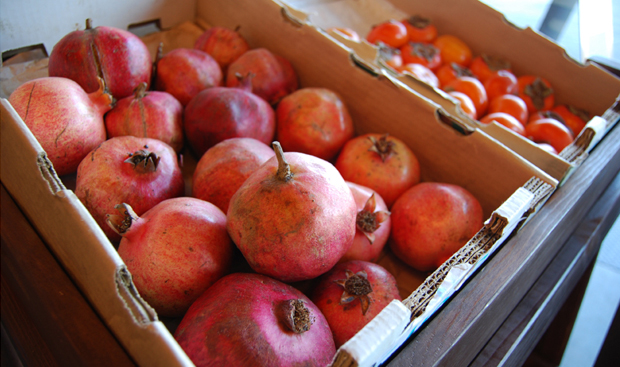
81, 246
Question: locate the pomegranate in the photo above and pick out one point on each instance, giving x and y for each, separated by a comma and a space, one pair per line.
431, 221
221, 113
248, 319
351, 294
373, 225
293, 218
174, 251
148, 114
225, 45
67, 122
225, 166
274, 76
117, 56
184, 72
382, 163
313, 121
137, 171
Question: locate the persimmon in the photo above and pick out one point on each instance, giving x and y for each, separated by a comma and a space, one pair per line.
453, 49
392, 32
420, 29
550, 131
467, 105
501, 82
347, 32
510, 104
391, 56
446, 72
576, 119
544, 114
421, 72
421, 53
536, 92
505, 119
483, 66
474, 90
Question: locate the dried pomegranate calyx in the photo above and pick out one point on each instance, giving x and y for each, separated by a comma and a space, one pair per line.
382, 146
143, 161
356, 286
121, 223
297, 317
284, 169
368, 220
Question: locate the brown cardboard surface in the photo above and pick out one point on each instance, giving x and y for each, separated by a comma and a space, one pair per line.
377, 103
485, 30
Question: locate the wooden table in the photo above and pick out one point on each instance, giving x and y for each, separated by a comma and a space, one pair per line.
497, 318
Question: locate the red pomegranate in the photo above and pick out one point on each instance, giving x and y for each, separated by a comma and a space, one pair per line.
174, 251
351, 294
431, 221
313, 121
293, 218
382, 163
225, 45
184, 72
148, 114
253, 320
273, 75
137, 171
117, 56
220, 113
67, 122
225, 166
373, 225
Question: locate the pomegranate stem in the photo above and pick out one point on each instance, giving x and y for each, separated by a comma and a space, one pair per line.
284, 169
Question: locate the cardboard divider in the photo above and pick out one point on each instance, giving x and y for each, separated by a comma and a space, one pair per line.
486, 31
378, 103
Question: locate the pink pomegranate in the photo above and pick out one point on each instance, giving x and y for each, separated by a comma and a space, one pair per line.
221, 113
67, 122
174, 251
274, 76
148, 114
137, 171
373, 225
117, 56
225, 166
253, 320
352, 294
381, 162
293, 218
223, 44
184, 72
431, 221
313, 121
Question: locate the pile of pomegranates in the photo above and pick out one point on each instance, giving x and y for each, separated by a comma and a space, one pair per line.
282, 183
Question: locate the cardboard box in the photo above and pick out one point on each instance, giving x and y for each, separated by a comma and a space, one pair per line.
586, 86
509, 187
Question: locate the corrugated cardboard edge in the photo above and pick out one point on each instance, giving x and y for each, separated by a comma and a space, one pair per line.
81, 246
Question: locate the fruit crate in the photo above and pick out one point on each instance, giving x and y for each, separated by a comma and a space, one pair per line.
486, 31
377, 103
